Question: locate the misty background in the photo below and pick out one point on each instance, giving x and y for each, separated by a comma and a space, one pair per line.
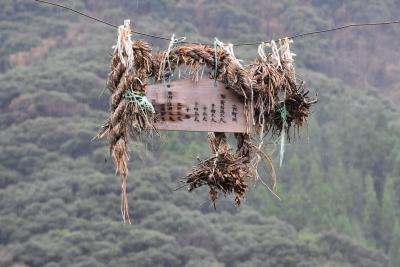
60, 198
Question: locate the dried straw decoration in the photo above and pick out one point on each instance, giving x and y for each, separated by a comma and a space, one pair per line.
274, 103
225, 172
130, 114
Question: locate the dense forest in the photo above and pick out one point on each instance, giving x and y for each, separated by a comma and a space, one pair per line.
59, 196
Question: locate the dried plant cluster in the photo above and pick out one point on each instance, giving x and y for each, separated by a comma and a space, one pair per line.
276, 91
274, 102
225, 172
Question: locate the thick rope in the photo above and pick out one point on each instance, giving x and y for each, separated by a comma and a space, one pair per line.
130, 110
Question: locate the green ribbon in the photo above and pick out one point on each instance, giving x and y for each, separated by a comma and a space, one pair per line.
140, 100
284, 114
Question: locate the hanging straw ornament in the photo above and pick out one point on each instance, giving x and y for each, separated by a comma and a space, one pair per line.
228, 49
131, 112
166, 60
124, 46
261, 50
276, 55
261, 82
286, 55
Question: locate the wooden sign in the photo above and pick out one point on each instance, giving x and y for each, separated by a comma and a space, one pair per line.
202, 106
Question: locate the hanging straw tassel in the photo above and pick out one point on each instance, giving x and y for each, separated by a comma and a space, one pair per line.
166, 60
261, 50
120, 157
228, 49
124, 202
226, 171
275, 54
286, 55
124, 44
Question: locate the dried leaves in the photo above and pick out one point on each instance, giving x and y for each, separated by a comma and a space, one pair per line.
224, 172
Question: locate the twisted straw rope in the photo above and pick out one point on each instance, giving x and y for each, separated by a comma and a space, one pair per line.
119, 125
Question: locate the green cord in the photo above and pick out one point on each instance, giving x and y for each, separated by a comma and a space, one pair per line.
284, 114
140, 100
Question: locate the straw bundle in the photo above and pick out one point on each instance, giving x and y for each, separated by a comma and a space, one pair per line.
225, 172
130, 70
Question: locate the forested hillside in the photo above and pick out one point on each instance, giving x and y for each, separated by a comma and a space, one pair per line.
60, 198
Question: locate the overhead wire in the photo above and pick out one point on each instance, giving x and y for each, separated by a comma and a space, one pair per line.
98, 20
300, 35
331, 30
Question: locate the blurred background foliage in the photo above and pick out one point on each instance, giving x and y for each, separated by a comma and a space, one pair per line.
59, 197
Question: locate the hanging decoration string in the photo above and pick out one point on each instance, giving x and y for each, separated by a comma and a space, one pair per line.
275, 54
229, 50
286, 55
283, 112
261, 51
166, 60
